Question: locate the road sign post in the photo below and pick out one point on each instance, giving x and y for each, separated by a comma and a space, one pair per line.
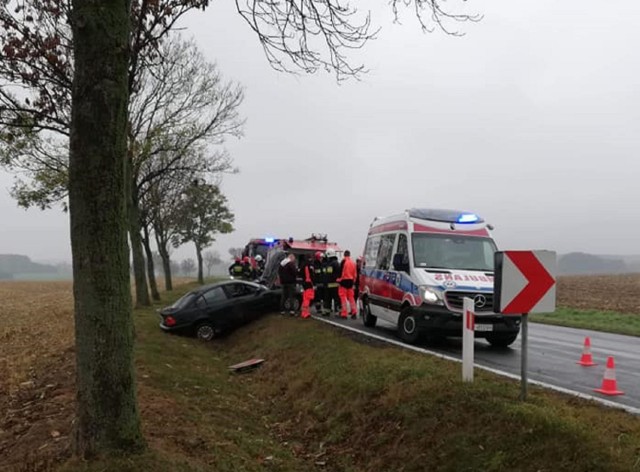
524, 355
468, 338
525, 283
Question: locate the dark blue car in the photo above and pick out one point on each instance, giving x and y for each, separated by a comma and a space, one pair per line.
218, 308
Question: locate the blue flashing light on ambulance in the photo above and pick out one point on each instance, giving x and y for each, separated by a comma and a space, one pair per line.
419, 265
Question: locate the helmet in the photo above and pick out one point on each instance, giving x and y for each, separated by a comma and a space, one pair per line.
258, 258
246, 259
318, 255
238, 259
331, 252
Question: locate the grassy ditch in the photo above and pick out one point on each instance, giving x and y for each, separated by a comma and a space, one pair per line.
325, 400
605, 321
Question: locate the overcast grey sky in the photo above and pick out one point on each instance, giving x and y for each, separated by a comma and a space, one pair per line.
530, 120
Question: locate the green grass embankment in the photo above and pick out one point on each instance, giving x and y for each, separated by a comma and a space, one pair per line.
325, 400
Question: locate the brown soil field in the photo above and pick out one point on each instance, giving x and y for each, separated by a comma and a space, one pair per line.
37, 371
620, 293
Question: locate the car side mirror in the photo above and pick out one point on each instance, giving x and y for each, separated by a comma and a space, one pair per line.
400, 263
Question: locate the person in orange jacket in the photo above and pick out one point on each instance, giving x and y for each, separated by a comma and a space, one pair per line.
307, 284
347, 281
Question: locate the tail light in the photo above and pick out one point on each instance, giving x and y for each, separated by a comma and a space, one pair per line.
170, 321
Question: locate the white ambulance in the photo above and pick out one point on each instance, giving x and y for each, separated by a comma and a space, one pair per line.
419, 265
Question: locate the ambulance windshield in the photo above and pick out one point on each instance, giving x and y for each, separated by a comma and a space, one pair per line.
438, 251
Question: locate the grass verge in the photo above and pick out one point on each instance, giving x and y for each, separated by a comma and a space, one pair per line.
327, 400
606, 321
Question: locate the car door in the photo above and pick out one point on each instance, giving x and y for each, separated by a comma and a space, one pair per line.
245, 301
217, 307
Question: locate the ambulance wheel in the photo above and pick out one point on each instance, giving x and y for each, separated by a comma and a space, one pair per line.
367, 318
502, 340
408, 328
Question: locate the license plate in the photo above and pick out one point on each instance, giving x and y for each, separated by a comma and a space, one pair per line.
484, 327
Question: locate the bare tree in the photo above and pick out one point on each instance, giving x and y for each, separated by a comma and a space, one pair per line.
159, 203
235, 252
211, 259
175, 267
188, 267
150, 256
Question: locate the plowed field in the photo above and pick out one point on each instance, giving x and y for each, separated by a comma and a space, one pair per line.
619, 293
36, 371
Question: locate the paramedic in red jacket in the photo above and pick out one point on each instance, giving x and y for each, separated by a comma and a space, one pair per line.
306, 272
348, 275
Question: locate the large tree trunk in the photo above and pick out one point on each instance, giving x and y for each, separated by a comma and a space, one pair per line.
166, 262
139, 269
151, 270
200, 273
106, 409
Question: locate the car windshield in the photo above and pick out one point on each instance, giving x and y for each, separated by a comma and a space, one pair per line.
184, 301
437, 251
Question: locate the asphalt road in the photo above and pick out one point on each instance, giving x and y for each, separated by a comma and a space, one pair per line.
553, 353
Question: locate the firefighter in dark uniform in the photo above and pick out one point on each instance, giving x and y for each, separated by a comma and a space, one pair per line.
259, 266
236, 269
319, 276
332, 270
247, 269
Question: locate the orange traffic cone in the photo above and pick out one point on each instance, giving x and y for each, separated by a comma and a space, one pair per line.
586, 360
609, 384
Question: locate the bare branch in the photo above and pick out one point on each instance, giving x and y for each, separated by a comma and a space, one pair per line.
308, 35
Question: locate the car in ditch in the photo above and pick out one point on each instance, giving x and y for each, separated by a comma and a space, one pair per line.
219, 308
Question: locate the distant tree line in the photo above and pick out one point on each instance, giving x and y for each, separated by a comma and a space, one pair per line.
579, 263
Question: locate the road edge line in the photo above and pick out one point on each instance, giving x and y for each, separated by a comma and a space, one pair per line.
502, 373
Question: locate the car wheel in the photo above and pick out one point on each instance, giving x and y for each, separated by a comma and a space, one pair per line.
206, 331
501, 340
408, 328
367, 318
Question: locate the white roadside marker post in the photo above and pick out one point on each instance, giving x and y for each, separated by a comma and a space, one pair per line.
468, 339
